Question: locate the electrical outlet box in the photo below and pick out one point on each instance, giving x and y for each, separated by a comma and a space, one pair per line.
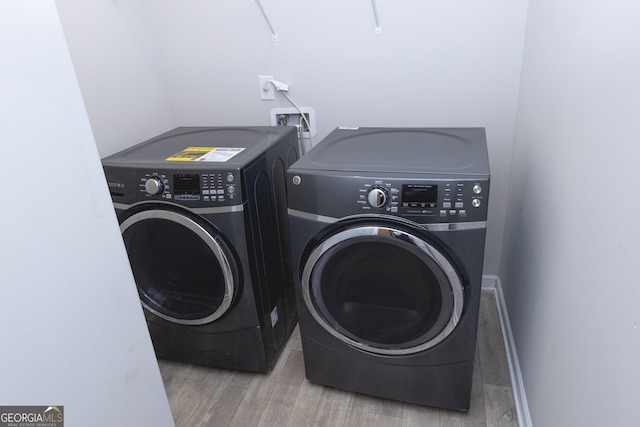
267, 91
291, 117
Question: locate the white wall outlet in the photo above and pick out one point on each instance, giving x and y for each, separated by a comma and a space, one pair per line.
267, 91
291, 117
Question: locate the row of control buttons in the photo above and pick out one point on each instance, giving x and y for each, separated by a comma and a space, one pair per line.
457, 205
452, 212
213, 198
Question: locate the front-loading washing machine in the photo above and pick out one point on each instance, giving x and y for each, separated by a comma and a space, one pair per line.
203, 215
388, 233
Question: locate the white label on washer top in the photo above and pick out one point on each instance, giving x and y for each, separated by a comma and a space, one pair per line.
206, 154
274, 316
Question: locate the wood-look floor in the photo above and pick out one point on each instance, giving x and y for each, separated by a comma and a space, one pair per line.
203, 396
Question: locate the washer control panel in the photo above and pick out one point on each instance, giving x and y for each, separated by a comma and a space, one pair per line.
202, 188
445, 200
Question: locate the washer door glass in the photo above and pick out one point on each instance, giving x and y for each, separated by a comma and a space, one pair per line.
382, 289
182, 268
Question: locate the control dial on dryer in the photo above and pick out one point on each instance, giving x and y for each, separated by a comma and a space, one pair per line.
154, 185
378, 197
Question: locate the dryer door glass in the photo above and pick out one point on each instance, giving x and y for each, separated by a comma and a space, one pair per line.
383, 290
182, 269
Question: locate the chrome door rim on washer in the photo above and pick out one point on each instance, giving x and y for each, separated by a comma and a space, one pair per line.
389, 233
209, 241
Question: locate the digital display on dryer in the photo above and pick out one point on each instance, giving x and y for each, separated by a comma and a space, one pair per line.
186, 184
419, 195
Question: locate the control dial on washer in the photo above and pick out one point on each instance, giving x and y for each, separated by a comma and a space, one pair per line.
154, 185
377, 197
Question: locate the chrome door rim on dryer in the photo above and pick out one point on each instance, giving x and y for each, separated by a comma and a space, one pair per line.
448, 280
218, 251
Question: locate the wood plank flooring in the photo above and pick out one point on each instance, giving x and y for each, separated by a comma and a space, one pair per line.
203, 396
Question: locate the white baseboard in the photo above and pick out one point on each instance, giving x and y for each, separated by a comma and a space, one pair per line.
492, 283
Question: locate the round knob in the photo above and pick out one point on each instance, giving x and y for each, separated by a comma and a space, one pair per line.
477, 189
231, 189
476, 203
154, 186
377, 197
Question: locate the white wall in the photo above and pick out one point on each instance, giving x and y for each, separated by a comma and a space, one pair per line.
435, 64
571, 243
73, 332
123, 84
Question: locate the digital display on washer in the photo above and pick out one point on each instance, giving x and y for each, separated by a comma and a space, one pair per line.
186, 184
422, 195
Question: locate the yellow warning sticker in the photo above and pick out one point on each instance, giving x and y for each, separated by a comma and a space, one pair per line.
205, 154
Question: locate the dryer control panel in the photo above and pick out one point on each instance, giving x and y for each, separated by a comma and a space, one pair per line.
191, 188
449, 200
437, 200
446, 200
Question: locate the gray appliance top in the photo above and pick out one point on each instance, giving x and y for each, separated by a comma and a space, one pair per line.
439, 151
155, 152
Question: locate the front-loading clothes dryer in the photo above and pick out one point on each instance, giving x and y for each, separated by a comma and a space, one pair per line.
388, 232
203, 215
